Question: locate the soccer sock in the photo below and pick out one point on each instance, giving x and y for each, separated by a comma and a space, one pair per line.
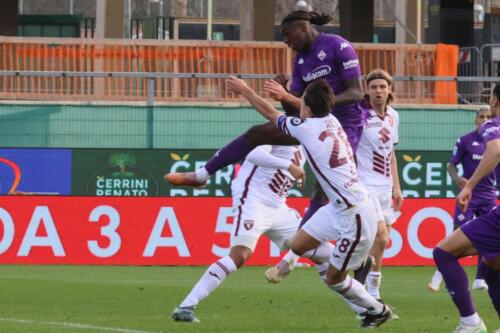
353, 292
322, 271
373, 281
322, 253
202, 174
456, 281
314, 205
213, 277
479, 272
436, 279
291, 258
233, 152
492, 278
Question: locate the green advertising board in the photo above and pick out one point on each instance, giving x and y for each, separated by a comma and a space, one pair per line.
139, 172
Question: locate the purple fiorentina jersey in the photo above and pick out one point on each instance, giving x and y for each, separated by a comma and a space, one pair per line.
491, 131
469, 151
332, 58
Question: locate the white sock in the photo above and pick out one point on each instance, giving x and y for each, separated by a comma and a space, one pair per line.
437, 278
322, 271
354, 292
373, 281
202, 175
472, 320
291, 258
213, 277
322, 253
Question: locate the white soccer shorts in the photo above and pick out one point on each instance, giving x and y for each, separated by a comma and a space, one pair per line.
354, 232
385, 201
253, 219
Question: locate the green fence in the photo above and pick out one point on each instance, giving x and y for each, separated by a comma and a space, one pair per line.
189, 127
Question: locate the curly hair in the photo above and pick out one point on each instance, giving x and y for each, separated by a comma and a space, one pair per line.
301, 15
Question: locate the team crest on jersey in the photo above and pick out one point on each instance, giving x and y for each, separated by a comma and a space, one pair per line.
391, 121
296, 121
301, 61
321, 55
248, 224
475, 143
343, 45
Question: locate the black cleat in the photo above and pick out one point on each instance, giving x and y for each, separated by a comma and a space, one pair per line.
362, 272
372, 321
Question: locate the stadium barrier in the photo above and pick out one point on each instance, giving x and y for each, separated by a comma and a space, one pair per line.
168, 231
185, 58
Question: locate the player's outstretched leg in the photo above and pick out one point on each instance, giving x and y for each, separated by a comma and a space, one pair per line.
213, 277
458, 286
492, 277
435, 283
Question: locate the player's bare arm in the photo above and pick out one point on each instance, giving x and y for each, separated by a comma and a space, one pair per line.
279, 93
352, 94
453, 172
397, 195
260, 104
487, 165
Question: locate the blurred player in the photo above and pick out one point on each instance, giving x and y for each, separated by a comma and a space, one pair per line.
318, 55
377, 165
259, 194
478, 236
468, 152
351, 217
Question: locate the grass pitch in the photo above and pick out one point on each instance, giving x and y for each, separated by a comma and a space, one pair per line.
140, 299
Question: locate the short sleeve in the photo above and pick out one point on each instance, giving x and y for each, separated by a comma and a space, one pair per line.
458, 152
347, 61
490, 131
289, 125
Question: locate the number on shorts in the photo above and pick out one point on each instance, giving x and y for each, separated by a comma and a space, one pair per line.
344, 245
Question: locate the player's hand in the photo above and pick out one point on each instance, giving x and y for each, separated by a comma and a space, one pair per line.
397, 199
299, 174
461, 182
281, 79
275, 90
464, 197
236, 85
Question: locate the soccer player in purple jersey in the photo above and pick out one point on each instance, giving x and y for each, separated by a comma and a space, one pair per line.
478, 236
319, 55
468, 151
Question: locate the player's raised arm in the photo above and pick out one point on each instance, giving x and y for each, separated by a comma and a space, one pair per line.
260, 104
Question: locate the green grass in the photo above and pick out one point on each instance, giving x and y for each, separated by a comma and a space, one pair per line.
142, 298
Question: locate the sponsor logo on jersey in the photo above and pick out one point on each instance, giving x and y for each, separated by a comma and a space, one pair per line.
490, 130
475, 143
321, 55
353, 63
316, 73
477, 157
343, 45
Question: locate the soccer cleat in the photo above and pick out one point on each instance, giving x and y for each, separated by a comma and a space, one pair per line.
362, 272
275, 274
479, 284
185, 313
183, 179
433, 288
481, 328
372, 321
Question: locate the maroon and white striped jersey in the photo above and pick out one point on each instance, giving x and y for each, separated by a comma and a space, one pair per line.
375, 149
330, 157
267, 185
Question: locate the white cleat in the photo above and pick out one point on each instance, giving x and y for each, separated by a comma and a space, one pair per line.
481, 328
272, 275
479, 284
433, 288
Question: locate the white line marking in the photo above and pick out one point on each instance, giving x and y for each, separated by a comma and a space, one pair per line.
74, 325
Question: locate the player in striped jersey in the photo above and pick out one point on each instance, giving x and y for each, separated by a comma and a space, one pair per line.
259, 206
351, 216
377, 166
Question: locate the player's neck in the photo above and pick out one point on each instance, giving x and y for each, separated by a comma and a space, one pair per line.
380, 110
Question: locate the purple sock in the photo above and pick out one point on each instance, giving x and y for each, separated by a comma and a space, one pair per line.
456, 281
314, 205
492, 278
479, 272
233, 152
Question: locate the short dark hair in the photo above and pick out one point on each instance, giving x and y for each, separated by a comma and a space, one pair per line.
319, 97
302, 15
496, 90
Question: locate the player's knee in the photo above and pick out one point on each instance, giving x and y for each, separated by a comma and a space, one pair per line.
256, 134
239, 255
383, 238
334, 278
